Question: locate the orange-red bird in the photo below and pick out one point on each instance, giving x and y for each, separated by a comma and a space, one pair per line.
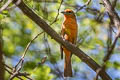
69, 33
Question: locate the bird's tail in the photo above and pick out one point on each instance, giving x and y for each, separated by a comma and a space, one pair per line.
67, 65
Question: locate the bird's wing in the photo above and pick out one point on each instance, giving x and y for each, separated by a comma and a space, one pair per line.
61, 47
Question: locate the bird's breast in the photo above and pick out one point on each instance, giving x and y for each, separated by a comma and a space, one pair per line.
70, 26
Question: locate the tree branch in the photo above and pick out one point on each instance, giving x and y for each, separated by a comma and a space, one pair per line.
5, 5
26, 49
79, 53
114, 18
112, 13
57, 13
87, 3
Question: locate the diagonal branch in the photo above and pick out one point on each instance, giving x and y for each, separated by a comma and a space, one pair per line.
78, 52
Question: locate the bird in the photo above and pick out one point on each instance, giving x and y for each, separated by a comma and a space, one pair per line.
69, 33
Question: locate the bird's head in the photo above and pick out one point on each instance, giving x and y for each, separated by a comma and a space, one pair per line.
68, 13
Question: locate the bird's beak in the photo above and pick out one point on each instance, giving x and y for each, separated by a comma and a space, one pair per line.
63, 12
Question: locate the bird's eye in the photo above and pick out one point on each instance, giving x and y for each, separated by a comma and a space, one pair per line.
69, 11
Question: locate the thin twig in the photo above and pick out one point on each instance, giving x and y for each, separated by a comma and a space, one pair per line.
8, 71
16, 70
12, 73
28, 78
47, 46
110, 51
20, 67
5, 5
7, 66
26, 49
58, 70
57, 13
87, 3
18, 74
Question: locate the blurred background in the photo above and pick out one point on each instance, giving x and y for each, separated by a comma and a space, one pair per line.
93, 23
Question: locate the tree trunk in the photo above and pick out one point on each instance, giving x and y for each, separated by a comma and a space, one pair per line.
2, 71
